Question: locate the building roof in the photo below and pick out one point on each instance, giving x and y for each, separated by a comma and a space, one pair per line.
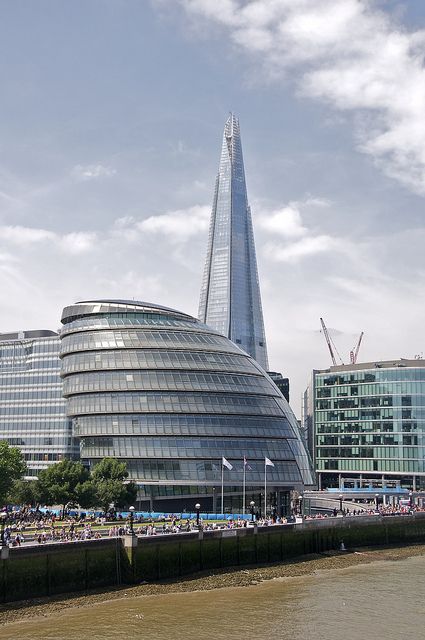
89, 307
379, 364
25, 335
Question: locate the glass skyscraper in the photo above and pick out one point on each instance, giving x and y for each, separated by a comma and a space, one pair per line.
230, 299
368, 424
32, 408
170, 396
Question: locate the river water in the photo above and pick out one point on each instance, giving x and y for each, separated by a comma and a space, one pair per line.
379, 601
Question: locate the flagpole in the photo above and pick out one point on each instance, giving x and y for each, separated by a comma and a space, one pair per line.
244, 484
222, 486
265, 487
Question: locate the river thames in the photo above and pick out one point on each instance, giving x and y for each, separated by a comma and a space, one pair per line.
379, 600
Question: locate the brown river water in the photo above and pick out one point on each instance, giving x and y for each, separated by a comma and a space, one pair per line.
377, 601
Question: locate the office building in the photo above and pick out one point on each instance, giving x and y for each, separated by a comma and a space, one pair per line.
281, 383
32, 408
170, 396
367, 424
230, 299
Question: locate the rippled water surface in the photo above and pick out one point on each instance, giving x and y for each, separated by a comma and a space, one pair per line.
380, 601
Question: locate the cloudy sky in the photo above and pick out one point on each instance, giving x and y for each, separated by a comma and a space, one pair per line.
111, 116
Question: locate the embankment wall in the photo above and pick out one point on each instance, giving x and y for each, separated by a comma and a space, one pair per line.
51, 569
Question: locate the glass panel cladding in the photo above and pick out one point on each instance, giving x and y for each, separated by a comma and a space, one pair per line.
370, 421
171, 402
191, 471
32, 408
157, 395
166, 381
129, 321
180, 425
157, 359
200, 447
230, 299
138, 338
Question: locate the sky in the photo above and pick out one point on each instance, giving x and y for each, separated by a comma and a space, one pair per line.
111, 118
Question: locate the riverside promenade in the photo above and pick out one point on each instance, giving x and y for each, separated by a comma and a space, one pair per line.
55, 568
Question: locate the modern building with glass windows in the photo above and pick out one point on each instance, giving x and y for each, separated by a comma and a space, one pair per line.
368, 424
32, 408
170, 396
230, 299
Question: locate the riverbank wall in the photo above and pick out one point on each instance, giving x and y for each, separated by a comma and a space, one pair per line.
58, 568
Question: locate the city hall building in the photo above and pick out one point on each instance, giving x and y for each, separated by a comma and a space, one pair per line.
171, 397
32, 408
366, 424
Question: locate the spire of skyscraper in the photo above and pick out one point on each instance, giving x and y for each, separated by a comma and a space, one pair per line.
230, 299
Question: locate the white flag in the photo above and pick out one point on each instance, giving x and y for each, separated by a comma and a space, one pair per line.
269, 463
227, 464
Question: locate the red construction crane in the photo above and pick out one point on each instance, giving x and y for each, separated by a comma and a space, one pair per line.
355, 352
329, 341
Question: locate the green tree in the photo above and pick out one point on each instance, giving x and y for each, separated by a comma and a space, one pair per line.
86, 494
24, 492
63, 483
109, 469
12, 468
109, 476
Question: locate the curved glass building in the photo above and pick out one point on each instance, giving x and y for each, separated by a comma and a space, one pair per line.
170, 396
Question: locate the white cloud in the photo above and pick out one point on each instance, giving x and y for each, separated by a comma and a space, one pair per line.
286, 221
25, 235
76, 242
178, 226
350, 55
88, 172
296, 241
302, 248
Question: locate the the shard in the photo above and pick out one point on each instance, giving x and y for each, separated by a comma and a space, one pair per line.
230, 299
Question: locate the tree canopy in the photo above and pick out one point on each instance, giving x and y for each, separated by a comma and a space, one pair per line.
63, 483
12, 468
109, 476
70, 483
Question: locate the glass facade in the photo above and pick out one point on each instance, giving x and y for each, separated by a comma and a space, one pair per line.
32, 408
369, 423
230, 299
173, 413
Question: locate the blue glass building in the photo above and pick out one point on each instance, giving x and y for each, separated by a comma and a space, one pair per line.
230, 299
32, 408
170, 396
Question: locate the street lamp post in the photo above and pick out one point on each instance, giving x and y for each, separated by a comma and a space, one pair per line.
131, 520
376, 501
340, 502
410, 499
300, 507
3, 516
198, 508
252, 505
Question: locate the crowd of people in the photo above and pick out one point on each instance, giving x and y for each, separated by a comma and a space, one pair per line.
38, 527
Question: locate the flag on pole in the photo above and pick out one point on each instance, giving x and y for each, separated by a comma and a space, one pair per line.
226, 463
246, 465
269, 463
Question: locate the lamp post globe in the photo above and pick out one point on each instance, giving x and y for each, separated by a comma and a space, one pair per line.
197, 509
252, 505
131, 520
